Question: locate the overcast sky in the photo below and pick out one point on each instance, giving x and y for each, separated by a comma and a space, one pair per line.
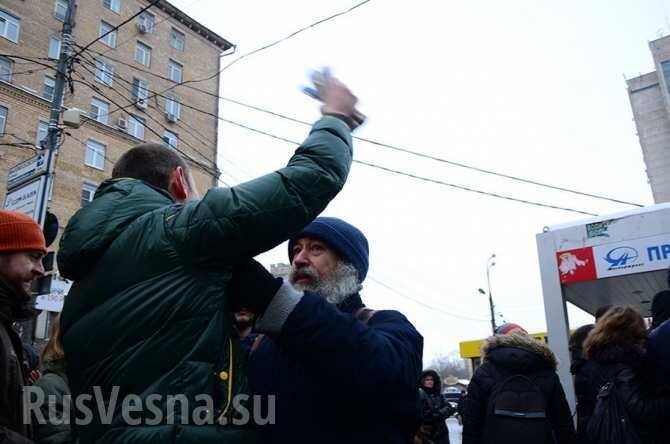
529, 88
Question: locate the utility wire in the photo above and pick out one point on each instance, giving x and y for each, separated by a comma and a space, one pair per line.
440, 159
206, 168
134, 100
276, 42
422, 178
420, 302
115, 28
385, 145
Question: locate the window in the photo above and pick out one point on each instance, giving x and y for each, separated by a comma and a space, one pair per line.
60, 10
48, 88
87, 192
95, 154
142, 54
140, 89
99, 110
665, 67
3, 119
147, 22
109, 39
54, 48
175, 71
177, 39
5, 69
9, 26
114, 5
104, 73
173, 107
136, 126
170, 139
42, 131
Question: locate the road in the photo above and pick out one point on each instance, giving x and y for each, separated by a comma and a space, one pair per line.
454, 431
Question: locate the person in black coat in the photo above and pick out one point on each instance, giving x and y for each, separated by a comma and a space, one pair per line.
617, 346
509, 353
436, 409
338, 372
581, 369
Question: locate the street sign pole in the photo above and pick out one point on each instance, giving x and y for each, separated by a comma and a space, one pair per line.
53, 134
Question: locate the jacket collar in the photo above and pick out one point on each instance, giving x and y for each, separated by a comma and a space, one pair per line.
523, 342
351, 304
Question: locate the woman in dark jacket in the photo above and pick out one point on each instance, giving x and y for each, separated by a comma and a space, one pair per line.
512, 360
54, 383
617, 346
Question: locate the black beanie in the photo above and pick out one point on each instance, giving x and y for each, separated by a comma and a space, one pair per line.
660, 308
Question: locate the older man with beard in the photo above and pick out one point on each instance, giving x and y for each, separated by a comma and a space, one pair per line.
338, 372
22, 248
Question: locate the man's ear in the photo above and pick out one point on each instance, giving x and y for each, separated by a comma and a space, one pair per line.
178, 186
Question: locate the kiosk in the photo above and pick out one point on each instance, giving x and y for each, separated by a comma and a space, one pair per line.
615, 259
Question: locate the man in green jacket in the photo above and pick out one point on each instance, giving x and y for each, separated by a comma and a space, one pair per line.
148, 327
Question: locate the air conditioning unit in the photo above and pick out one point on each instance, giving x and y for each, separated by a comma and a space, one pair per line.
141, 103
142, 27
122, 123
172, 118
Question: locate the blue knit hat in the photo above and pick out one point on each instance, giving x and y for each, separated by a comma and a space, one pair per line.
347, 241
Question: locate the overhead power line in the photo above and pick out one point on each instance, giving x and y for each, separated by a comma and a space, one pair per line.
264, 47
420, 302
440, 159
422, 178
384, 145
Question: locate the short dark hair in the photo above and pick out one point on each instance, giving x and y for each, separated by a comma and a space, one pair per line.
150, 162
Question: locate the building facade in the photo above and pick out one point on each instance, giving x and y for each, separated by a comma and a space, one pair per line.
650, 100
129, 84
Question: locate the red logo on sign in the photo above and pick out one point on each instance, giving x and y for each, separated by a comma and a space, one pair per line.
576, 265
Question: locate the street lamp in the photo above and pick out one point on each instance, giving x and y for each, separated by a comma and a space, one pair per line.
490, 262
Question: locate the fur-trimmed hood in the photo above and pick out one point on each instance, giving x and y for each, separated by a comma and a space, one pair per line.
518, 352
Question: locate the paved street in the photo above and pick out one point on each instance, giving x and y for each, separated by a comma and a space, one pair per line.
454, 431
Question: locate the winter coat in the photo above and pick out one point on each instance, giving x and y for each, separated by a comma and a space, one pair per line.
149, 312
658, 347
516, 354
12, 374
54, 383
435, 409
628, 367
585, 392
337, 379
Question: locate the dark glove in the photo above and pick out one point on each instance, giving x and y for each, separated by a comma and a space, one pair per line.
252, 286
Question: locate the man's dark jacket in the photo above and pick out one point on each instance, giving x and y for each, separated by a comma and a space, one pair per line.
12, 375
515, 354
149, 311
337, 379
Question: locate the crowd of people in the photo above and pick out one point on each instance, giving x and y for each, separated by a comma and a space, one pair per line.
173, 333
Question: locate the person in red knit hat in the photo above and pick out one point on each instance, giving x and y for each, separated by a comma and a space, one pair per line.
22, 248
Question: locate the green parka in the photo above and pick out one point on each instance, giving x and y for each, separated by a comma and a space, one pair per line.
148, 314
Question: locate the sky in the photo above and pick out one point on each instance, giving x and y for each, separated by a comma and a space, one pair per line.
528, 88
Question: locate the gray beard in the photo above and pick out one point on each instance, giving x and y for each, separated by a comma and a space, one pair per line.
335, 288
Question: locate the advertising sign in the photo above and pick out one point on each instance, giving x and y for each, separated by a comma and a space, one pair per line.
634, 256
576, 265
26, 198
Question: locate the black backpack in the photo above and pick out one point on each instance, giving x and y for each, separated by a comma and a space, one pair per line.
610, 423
517, 413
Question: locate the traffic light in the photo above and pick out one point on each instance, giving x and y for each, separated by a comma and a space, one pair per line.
42, 285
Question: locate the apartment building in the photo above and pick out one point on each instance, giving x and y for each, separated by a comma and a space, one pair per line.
129, 84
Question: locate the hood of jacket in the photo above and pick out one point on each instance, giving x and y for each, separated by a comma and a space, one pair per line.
117, 203
518, 353
437, 386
